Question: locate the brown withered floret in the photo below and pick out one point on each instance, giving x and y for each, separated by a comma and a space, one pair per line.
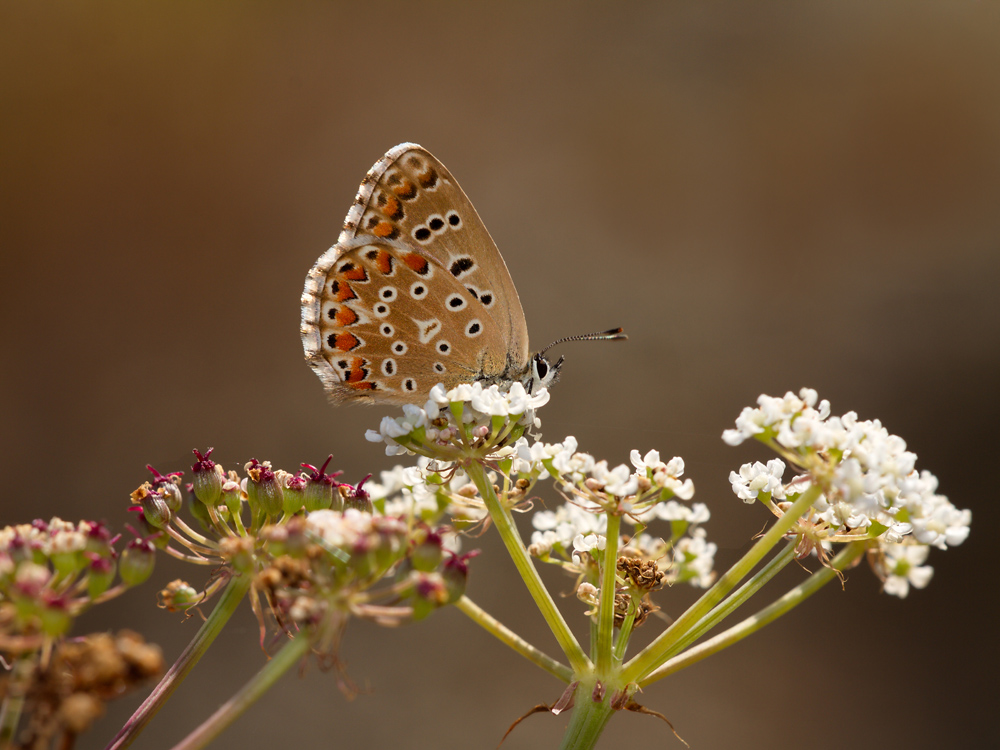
643, 574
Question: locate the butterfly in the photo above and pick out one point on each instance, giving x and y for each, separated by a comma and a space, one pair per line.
415, 293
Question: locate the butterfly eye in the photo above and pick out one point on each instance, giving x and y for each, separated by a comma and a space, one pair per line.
387, 293
418, 290
454, 219
456, 302
541, 367
473, 329
386, 330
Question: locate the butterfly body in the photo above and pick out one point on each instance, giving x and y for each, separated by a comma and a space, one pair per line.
414, 293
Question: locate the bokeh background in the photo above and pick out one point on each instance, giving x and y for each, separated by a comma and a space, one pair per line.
765, 195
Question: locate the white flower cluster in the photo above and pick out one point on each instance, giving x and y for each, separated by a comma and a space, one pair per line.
867, 475
352, 529
56, 537
868, 479
480, 405
648, 487
756, 478
557, 530
409, 491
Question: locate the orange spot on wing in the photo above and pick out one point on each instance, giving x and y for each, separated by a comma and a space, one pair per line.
383, 229
383, 262
392, 208
357, 374
344, 293
356, 274
405, 190
417, 263
346, 341
346, 317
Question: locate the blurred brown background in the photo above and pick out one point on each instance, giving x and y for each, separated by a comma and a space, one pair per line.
765, 196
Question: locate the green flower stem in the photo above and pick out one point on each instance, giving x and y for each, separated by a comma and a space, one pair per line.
732, 603
606, 612
652, 656
588, 719
13, 702
752, 624
625, 632
289, 655
231, 597
507, 636
504, 522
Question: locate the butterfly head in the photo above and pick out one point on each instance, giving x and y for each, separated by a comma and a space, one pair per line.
542, 373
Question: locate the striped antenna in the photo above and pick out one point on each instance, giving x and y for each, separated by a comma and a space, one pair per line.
615, 334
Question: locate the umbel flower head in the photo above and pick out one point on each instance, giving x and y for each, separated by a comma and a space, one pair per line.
867, 481
318, 551
51, 572
470, 420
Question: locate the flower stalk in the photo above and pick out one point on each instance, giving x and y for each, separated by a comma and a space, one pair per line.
234, 593
504, 522
851, 553
288, 656
654, 654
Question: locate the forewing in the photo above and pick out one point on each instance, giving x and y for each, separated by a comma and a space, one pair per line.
410, 196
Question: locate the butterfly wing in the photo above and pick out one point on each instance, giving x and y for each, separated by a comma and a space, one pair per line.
410, 213
384, 322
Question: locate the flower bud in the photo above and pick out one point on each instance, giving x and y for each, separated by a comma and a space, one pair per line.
356, 497
232, 494
154, 509
456, 574
319, 491
430, 591
54, 616
178, 596
293, 492
100, 575
167, 487
207, 478
426, 555
263, 490
137, 562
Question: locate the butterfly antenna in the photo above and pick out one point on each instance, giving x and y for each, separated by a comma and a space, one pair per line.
615, 334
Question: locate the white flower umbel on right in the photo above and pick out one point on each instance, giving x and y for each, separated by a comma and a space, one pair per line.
869, 486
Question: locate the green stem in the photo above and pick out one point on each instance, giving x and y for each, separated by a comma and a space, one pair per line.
289, 655
504, 522
606, 611
13, 702
651, 656
626, 631
732, 603
507, 636
767, 615
587, 721
231, 597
